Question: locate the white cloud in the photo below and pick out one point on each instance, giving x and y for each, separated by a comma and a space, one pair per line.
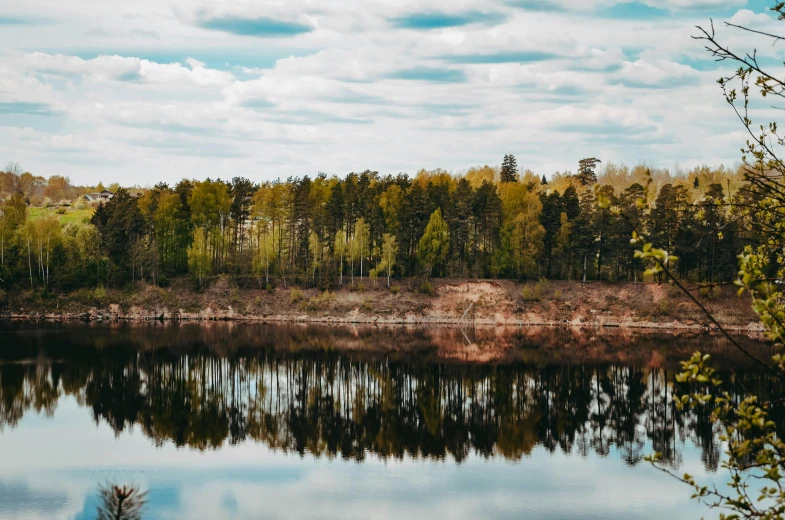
748, 18
353, 90
122, 68
660, 73
696, 4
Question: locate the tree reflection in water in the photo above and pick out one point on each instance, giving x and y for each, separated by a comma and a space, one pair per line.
120, 502
297, 397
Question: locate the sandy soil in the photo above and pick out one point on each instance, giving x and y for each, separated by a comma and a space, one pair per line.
451, 302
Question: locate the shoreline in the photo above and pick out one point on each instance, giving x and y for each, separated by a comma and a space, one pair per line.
452, 303
98, 317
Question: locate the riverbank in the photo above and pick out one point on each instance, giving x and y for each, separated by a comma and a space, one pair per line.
442, 302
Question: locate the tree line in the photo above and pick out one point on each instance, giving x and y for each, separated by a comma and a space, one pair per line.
328, 231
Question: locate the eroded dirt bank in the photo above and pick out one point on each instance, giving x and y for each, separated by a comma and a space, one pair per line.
448, 302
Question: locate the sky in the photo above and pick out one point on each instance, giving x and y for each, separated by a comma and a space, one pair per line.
248, 480
148, 91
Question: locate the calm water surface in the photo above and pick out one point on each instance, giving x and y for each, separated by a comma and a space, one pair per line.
252, 421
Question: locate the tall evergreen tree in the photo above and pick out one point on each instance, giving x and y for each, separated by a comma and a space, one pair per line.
241, 191
509, 170
550, 220
335, 209
487, 217
586, 171
459, 213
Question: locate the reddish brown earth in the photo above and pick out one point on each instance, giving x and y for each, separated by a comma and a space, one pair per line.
451, 302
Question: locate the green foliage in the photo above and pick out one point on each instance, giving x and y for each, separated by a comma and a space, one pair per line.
754, 451
295, 295
264, 258
199, 260
310, 231
522, 233
435, 242
315, 303
534, 292
425, 287
99, 294
710, 292
389, 255
586, 171
509, 169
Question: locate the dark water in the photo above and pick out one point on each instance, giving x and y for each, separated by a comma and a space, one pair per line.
244, 421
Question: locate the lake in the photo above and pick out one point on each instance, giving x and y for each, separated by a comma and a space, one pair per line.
225, 420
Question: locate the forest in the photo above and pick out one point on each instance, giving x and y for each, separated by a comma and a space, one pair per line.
486, 222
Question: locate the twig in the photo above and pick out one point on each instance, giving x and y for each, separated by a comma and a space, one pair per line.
464, 312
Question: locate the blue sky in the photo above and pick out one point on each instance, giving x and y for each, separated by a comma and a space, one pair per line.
147, 91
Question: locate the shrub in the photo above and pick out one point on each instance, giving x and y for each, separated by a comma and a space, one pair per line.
711, 292
61, 211
316, 302
99, 294
426, 288
295, 295
529, 294
534, 293
163, 280
395, 288
325, 296
661, 308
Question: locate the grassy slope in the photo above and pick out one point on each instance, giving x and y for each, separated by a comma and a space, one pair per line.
71, 216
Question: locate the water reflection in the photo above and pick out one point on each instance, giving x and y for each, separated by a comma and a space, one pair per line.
350, 393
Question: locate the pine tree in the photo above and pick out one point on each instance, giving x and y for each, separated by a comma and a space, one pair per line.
544, 181
339, 248
696, 184
549, 218
458, 216
509, 171
586, 174
487, 215
563, 247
